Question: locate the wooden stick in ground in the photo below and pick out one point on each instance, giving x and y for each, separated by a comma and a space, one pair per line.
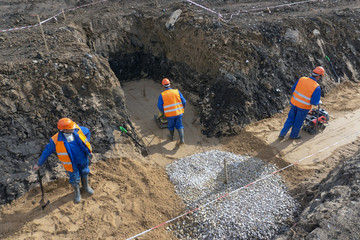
42, 32
226, 173
63, 14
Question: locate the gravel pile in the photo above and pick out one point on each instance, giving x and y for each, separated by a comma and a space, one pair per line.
260, 211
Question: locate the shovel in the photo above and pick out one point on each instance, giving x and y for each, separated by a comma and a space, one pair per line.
144, 150
42, 201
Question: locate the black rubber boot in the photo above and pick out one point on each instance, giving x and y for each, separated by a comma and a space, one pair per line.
181, 135
85, 185
171, 135
76, 187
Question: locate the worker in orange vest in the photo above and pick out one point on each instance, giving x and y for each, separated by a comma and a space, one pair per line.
306, 92
172, 103
73, 149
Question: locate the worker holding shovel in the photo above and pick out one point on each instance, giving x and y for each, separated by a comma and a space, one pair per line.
73, 149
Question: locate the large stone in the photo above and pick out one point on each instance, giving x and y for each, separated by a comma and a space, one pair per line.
173, 18
293, 36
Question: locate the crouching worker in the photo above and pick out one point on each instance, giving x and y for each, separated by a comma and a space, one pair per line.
73, 149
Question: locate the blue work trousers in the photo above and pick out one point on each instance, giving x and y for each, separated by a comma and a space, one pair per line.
295, 121
175, 122
80, 170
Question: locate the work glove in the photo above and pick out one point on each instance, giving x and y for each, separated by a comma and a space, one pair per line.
36, 167
320, 102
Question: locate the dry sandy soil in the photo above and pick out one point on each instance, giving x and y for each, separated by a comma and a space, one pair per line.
132, 191
123, 204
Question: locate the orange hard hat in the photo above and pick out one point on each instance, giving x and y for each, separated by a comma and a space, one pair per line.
165, 82
319, 71
65, 123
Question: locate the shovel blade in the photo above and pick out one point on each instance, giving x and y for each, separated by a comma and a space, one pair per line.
43, 204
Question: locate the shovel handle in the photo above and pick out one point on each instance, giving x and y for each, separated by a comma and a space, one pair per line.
40, 181
123, 129
42, 201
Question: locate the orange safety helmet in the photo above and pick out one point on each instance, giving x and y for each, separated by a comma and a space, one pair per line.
319, 71
65, 123
165, 82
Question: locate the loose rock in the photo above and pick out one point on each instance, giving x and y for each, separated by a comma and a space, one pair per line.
259, 211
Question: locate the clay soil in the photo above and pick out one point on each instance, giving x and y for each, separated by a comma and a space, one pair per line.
94, 76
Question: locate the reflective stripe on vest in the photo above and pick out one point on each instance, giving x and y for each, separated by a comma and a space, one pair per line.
83, 138
302, 95
62, 152
172, 103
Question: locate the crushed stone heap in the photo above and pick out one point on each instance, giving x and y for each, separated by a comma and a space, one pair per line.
259, 211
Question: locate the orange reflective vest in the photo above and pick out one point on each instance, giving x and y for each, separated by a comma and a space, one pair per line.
302, 94
62, 152
172, 103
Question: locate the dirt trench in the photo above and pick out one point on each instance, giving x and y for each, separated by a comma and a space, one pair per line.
233, 75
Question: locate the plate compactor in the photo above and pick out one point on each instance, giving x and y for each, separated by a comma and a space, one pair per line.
316, 120
161, 120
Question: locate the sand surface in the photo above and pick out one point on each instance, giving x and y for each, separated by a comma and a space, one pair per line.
133, 194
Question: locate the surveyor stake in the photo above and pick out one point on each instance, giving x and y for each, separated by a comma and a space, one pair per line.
42, 201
